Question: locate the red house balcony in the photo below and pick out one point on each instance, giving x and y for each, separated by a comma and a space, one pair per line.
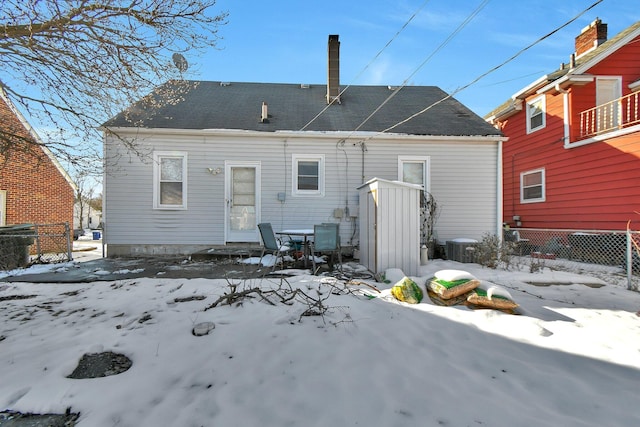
617, 114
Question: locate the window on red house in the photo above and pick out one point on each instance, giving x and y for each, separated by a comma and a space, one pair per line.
532, 186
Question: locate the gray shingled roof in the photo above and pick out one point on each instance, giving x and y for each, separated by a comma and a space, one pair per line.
212, 105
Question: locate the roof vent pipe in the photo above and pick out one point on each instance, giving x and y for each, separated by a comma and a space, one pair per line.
333, 72
572, 61
265, 113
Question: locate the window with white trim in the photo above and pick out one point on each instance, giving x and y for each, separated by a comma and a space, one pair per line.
532, 186
536, 114
414, 170
308, 175
169, 180
3, 207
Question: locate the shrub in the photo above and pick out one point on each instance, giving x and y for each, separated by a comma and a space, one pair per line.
492, 253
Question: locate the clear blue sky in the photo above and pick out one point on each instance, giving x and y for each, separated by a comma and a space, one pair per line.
286, 42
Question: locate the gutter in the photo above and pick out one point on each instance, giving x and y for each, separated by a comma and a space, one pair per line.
514, 106
516, 100
565, 81
138, 132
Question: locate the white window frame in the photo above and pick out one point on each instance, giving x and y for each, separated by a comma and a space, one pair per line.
542, 198
295, 159
3, 207
424, 160
157, 158
543, 106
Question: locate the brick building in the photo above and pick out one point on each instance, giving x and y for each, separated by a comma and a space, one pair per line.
34, 187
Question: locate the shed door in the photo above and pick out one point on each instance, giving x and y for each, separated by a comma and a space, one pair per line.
242, 182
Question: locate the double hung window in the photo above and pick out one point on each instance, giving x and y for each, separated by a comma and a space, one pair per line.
170, 180
308, 175
532, 186
536, 114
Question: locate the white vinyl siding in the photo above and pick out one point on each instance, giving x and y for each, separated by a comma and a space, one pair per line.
536, 114
463, 179
532, 186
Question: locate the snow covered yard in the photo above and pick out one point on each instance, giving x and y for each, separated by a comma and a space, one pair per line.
571, 358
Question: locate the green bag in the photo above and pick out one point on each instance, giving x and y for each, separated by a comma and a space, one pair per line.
406, 290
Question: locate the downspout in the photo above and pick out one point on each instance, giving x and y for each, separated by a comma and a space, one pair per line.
499, 198
565, 112
364, 149
104, 194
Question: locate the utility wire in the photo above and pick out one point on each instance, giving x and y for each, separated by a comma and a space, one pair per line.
427, 59
369, 64
474, 81
460, 89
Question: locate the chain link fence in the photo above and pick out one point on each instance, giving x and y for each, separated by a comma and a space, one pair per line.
26, 244
578, 250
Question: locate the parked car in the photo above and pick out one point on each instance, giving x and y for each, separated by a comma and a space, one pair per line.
77, 233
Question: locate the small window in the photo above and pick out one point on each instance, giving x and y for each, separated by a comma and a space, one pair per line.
308, 175
532, 186
536, 114
170, 184
414, 170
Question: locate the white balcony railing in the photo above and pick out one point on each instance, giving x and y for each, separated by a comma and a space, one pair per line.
617, 114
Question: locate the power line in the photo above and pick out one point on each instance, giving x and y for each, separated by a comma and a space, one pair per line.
474, 81
427, 59
370, 62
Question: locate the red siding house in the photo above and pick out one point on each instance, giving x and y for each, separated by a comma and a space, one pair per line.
34, 188
572, 160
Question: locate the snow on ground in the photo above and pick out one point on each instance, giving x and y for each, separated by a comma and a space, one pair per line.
572, 358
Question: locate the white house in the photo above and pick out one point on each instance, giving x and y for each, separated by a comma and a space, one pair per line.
206, 168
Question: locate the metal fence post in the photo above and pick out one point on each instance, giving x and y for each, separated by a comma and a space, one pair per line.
629, 255
37, 232
67, 233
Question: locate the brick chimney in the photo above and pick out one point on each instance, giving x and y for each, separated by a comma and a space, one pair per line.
591, 37
333, 75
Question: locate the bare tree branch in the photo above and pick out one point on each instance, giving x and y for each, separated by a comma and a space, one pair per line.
72, 65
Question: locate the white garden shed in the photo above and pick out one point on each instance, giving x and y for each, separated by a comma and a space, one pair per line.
390, 225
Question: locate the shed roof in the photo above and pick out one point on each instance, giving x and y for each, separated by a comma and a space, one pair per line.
238, 106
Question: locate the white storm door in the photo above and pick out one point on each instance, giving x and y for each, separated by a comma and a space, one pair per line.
242, 199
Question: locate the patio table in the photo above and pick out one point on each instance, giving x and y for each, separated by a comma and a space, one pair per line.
305, 233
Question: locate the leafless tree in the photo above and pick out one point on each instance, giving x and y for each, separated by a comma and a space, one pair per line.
83, 196
72, 64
